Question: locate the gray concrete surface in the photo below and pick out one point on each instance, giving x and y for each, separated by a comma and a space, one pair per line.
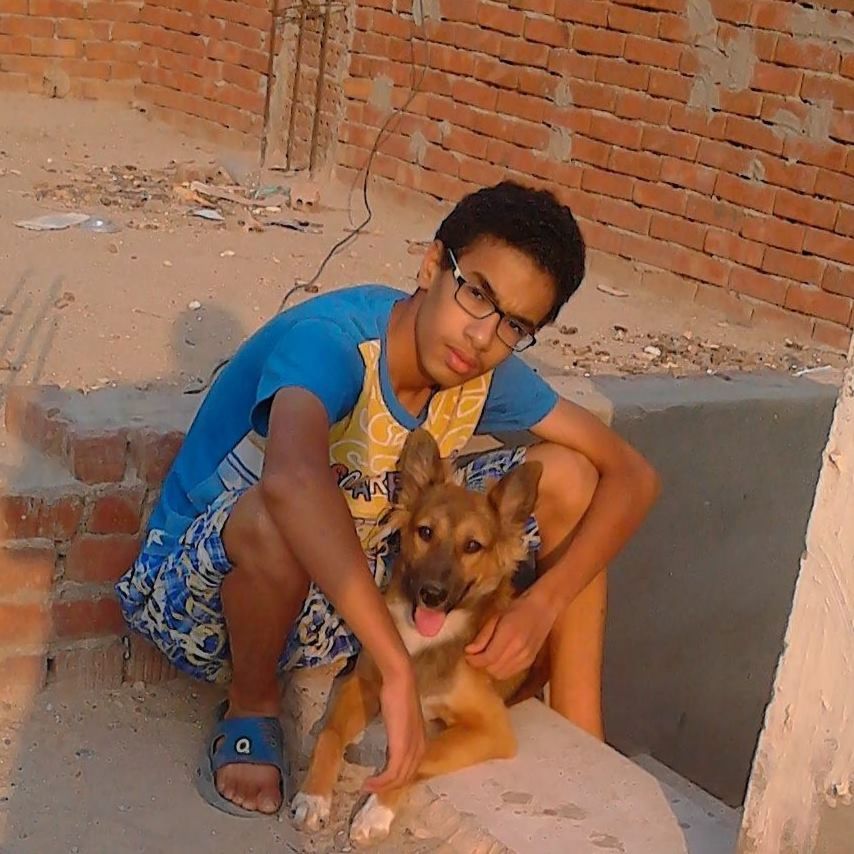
700, 599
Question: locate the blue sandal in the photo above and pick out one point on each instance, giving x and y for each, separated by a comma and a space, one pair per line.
237, 741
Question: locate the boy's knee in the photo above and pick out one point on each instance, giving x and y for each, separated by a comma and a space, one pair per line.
568, 482
254, 544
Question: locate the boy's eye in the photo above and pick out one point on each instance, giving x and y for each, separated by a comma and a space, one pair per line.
472, 546
517, 328
425, 532
476, 293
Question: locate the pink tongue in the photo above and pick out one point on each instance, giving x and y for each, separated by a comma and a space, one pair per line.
429, 622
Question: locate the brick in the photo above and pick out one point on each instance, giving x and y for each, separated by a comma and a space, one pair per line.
743, 103
26, 569
653, 52
772, 15
622, 214
13, 26
478, 172
725, 244
828, 245
805, 53
524, 53
732, 11
599, 42
24, 623
666, 141
723, 156
496, 72
606, 183
845, 221
117, 512
832, 335
698, 122
690, 175
638, 163
28, 517
834, 185
21, 45
88, 668
732, 305
570, 64
817, 88
774, 232
549, 32
675, 28
800, 267
33, 414
838, 280
781, 173
818, 303
98, 457
87, 618
615, 131
509, 21
753, 134
668, 285
58, 8
817, 212
676, 230
759, 285
773, 78
524, 106
100, 559
669, 84
785, 322
110, 10
636, 21
696, 265
596, 96
750, 194
146, 663
660, 197
588, 151
714, 212
21, 678
616, 72
536, 81
592, 12
828, 154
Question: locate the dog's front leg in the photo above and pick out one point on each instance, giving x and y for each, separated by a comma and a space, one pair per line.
476, 735
353, 708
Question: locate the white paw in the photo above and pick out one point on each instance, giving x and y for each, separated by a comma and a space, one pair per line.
372, 823
310, 812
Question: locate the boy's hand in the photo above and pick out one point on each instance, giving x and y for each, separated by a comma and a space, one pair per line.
404, 723
508, 643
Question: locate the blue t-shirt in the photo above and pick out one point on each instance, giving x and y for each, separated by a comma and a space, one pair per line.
333, 346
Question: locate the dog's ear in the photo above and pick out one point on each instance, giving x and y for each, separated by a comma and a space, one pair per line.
515, 494
420, 466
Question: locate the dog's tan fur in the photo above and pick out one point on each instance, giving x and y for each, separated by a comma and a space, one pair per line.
470, 704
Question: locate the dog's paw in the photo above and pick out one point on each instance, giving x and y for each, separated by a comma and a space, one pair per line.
310, 812
372, 823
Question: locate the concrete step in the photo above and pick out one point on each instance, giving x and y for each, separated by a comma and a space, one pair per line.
566, 792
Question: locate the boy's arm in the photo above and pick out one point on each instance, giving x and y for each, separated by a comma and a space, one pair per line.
628, 487
626, 490
309, 510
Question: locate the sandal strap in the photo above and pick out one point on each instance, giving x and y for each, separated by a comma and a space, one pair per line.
256, 740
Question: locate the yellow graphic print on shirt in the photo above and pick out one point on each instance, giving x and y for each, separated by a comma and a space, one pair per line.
365, 445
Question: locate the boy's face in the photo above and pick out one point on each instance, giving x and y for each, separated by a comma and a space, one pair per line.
453, 346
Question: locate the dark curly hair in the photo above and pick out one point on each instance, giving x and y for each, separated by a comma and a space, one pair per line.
530, 220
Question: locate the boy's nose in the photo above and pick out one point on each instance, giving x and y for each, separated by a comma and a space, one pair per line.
482, 331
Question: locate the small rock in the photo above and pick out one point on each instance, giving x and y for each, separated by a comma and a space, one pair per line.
228, 253
167, 263
194, 305
655, 352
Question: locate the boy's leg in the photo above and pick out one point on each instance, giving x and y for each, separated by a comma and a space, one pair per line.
577, 640
262, 596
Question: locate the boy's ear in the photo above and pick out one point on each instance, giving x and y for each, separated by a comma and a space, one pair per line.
420, 466
431, 265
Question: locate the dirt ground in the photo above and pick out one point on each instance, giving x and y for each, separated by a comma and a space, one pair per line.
166, 297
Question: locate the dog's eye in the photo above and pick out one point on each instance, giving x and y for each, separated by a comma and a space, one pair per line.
425, 532
472, 546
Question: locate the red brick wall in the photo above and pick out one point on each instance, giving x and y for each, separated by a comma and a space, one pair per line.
703, 138
201, 63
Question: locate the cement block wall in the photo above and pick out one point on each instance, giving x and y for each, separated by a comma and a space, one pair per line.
698, 601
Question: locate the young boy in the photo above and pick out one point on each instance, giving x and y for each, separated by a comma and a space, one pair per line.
264, 552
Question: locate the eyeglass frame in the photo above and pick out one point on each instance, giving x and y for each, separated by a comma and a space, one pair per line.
460, 281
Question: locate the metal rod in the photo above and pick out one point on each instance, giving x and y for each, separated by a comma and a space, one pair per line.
295, 90
318, 95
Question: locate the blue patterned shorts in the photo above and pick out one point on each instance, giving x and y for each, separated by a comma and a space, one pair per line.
175, 601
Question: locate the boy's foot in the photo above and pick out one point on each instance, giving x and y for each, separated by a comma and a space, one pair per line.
243, 771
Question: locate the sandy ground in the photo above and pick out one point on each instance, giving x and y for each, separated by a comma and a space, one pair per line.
169, 295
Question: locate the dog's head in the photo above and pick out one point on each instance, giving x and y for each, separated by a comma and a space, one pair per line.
457, 546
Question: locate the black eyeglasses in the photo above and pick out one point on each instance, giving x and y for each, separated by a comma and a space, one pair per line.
478, 304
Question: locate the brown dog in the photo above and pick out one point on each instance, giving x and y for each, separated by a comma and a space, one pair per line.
459, 550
